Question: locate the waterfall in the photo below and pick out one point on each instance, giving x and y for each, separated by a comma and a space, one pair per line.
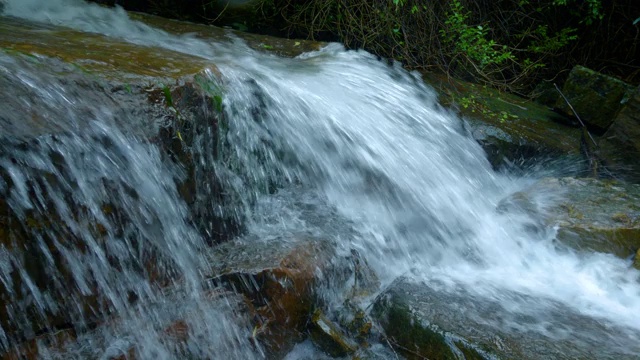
336, 131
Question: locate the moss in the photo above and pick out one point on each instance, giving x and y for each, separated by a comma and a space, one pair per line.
572, 212
636, 260
622, 242
468, 352
93, 53
520, 121
414, 339
621, 218
278, 46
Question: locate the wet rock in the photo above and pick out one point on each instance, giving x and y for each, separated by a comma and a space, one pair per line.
438, 321
514, 132
35, 348
275, 45
594, 96
329, 337
50, 224
174, 332
280, 277
591, 214
636, 260
620, 145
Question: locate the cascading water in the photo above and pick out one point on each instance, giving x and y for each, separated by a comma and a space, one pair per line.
108, 220
336, 128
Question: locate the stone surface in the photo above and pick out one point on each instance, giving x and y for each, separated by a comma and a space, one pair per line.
179, 333
270, 44
511, 130
595, 97
620, 145
42, 141
279, 277
329, 337
591, 214
437, 321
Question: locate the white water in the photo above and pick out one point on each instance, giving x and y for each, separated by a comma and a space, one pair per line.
373, 143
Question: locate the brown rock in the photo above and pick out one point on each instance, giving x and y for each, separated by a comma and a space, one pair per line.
279, 277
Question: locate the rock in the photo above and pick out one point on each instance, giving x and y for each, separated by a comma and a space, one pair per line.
594, 96
276, 45
636, 260
545, 94
620, 145
329, 337
511, 130
280, 277
32, 349
438, 321
51, 224
591, 214
176, 330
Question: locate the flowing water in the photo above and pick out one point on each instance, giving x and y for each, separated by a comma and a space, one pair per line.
339, 131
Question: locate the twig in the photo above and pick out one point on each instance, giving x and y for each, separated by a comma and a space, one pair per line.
510, 103
576, 114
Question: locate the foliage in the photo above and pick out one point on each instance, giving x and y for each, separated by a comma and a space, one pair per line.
507, 43
472, 41
593, 9
511, 44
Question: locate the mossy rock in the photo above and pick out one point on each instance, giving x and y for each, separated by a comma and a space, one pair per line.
438, 320
415, 337
163, 98
265, 43
591, 214
596, 98
620, 145
511, 130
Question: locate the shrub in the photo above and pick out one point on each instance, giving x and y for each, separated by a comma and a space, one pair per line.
511, 44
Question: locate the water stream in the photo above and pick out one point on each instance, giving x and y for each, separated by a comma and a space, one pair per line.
339, 131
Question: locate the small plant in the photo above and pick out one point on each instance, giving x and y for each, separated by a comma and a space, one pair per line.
593, 11
472, 41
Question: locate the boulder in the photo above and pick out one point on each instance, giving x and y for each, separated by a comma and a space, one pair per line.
164, 101
596, 98
590, 214
270, 44
513, 131
280, 278
620, 145
57, 220
179, 324
443, 321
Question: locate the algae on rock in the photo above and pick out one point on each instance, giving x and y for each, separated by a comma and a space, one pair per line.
590, 214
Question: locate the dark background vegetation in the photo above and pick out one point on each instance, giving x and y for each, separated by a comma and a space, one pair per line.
510, 44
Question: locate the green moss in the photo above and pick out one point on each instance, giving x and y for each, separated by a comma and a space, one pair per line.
414, 339
621, 218
468, 352
521, 121
622, 242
